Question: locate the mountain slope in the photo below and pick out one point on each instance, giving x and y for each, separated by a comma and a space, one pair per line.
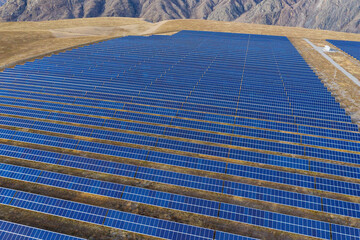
338, 15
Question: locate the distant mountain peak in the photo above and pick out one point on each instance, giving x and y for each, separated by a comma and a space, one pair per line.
338, 15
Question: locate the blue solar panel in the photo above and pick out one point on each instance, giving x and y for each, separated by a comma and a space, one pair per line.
289, 223
177, 202
232, 188
230, 106
159, 228
55, 206
14, 231
195, 148
108, 217
224, 235
343, 232
271, 175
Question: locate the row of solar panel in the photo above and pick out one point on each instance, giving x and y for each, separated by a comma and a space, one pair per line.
335, 114
149, 48
309, 151
345, 145
228, 57
303, 86
298, 120
185, 180
237, 154
114, 136
90, 102
245, 96
189, 134
127, 86
225, 211
271, 146
210, 76
111, 45
14, 231
196, 115
143, 128
36, 77
107, 217
110, 113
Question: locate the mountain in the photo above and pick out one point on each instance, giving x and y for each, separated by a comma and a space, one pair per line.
338, 15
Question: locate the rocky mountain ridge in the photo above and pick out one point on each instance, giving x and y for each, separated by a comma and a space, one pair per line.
338, 15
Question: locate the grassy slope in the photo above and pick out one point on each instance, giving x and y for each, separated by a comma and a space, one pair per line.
23, 40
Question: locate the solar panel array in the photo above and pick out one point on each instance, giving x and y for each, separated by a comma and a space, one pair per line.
233, 130
350, 47
13, 231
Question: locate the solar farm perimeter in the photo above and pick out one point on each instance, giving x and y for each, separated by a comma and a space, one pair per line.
198, 135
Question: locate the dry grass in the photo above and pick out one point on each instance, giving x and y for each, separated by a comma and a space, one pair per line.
25, 40
217, 26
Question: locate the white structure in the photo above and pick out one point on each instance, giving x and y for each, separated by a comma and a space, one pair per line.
327, 48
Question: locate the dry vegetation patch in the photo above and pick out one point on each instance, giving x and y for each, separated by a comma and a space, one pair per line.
22, 41
235, 27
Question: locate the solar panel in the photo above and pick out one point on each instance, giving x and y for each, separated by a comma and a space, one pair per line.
108, 217
231, 188
237, 116
9, 230
195, 148
178, 202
